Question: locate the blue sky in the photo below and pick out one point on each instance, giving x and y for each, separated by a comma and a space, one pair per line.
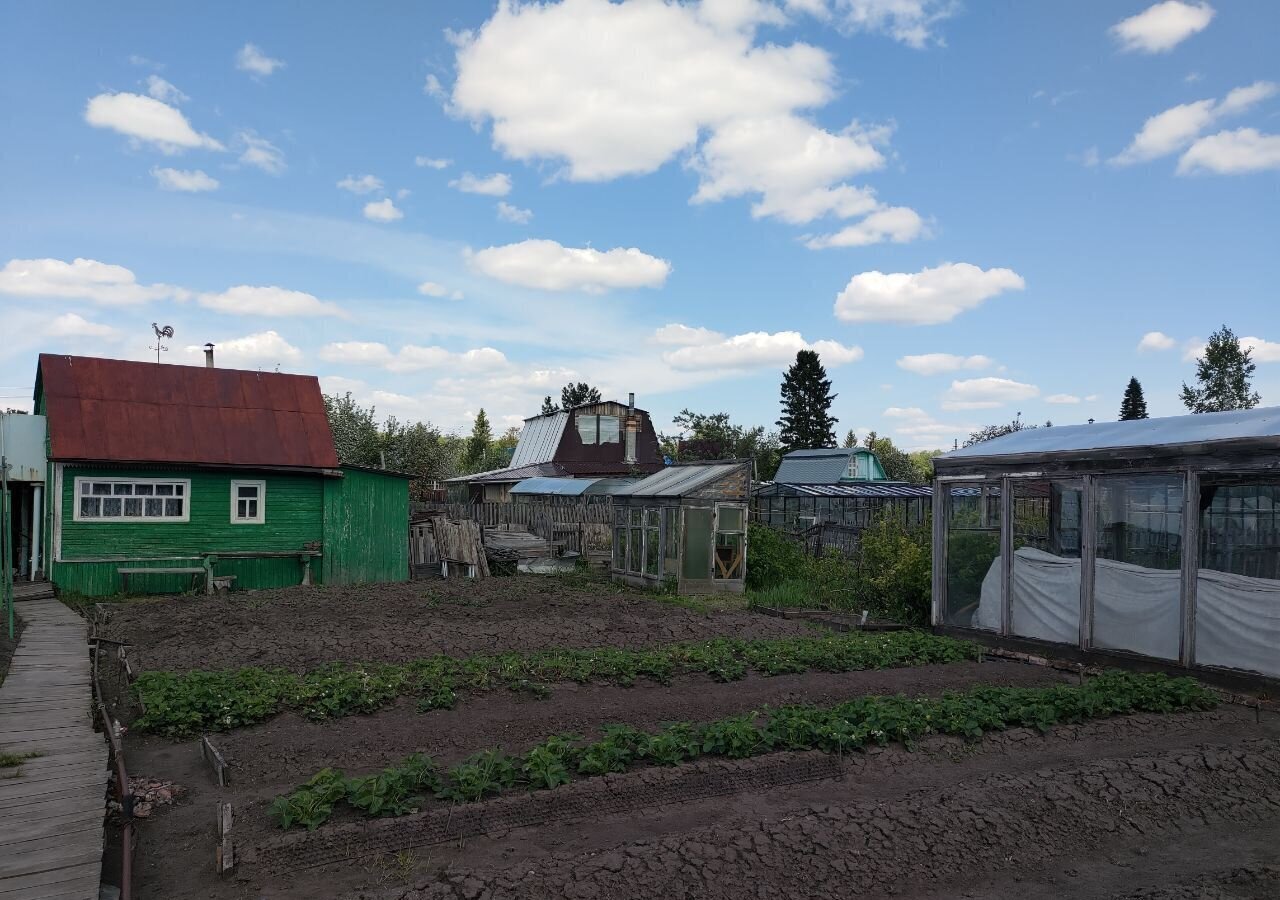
969, 209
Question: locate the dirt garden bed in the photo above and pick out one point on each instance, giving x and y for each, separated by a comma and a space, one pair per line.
952, 816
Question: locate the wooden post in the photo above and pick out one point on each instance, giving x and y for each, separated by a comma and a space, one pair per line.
214, 758
226, 852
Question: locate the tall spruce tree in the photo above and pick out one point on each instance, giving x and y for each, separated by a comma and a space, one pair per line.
1134, 405
548, 406
806, 421
572, 395
478, 443
850, 439
1224, 374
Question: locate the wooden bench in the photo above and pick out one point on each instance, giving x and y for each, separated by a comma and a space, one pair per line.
125, 572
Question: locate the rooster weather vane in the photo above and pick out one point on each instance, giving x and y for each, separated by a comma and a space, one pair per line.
162, 332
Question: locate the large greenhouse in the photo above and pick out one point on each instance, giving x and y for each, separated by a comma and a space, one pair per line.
1156, 540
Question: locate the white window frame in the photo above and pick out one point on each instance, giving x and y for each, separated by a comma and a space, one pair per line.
261, 517
131, 520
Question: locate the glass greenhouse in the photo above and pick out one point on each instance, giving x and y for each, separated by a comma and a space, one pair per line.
1156, 539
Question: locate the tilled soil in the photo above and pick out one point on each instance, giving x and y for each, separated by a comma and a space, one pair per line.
303, 628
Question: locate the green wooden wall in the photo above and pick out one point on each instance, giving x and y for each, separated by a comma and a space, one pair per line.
92, 551
366, 528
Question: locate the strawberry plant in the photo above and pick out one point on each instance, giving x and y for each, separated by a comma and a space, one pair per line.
484, 773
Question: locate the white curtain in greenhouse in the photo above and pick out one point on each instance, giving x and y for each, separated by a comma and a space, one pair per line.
1238, 622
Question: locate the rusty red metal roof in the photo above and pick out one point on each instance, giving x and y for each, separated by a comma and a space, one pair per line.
114, 410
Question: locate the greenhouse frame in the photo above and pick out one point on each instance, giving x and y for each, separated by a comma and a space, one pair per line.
685, 525
1155, 542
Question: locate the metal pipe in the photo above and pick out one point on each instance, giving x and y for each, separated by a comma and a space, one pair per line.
208, 356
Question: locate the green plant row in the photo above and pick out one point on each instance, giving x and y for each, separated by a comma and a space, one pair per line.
836, 729
184, 704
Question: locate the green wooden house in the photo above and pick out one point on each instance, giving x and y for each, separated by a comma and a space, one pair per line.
163, 477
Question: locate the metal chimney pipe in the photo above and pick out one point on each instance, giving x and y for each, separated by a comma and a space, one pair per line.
631, 402
208, 356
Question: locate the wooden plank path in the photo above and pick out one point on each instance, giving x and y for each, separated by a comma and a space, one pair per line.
51, 813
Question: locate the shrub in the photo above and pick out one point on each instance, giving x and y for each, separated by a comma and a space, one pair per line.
893, 571
772, 557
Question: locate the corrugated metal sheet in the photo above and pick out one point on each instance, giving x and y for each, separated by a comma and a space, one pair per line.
679, 481
515, 473
119, 411
22, 446
862, 489
539, 439
1171, 431
555, 487
825, 466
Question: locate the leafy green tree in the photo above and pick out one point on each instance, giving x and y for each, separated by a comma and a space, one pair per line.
806, 421
913, 468
994, 431
1224, 374
355, 430
478, 443
572, 395
850, 439
716, 437
548, 406
1134, 405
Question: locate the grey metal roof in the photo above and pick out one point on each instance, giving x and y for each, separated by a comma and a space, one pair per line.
857, 489
825, 466
512, 473
1139, 434
539, 439
679, 481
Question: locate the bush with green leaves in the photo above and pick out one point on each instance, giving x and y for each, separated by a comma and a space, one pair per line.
185, 704
842, 728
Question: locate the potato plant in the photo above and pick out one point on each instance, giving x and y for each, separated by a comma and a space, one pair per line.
842, 728
185, 704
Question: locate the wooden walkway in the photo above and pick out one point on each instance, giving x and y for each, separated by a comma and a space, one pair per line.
51, 813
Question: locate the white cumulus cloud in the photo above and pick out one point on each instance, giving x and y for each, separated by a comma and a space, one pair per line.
1156, 340
678, 335
1238, 152
927, 297
1160, 28
189, 180
265, 348
937, 363
1263, 351
1178, 126
1062, 399
81, 279
361, 184
431, 162
495, 185
163, 91
758, 349
549, 266
898, 224
509, 213
260, 153
986, 393
251, 59
383, 210
72, 325
147, 120
432, 289
412, 358
250, 300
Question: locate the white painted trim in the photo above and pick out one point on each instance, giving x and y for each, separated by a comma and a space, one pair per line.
57, 500
133, 520
261, 517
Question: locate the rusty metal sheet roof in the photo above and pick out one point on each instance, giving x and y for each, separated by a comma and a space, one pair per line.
119, 411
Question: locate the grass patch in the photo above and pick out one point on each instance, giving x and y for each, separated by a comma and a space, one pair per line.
845, 727
185, 704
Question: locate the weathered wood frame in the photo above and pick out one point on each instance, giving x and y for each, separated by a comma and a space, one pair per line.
1249, 459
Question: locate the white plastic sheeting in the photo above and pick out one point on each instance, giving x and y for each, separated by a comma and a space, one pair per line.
1138, 609
1238, 622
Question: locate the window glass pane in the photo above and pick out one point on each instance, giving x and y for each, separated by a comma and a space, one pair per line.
620, 515
587, 429
697, 543
1238, 583
247, 490
729, 554
178, 489
1045, 592
172, 508
154, 507
651, 558
111, 507
973, 557
620, 548
133, 507
143, 490
253, 509
651, 517
101, 488
637, 516
90, 507
730, 518
1137, 582
164, 490
609, 430
634, 560
121, 489
671, 523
